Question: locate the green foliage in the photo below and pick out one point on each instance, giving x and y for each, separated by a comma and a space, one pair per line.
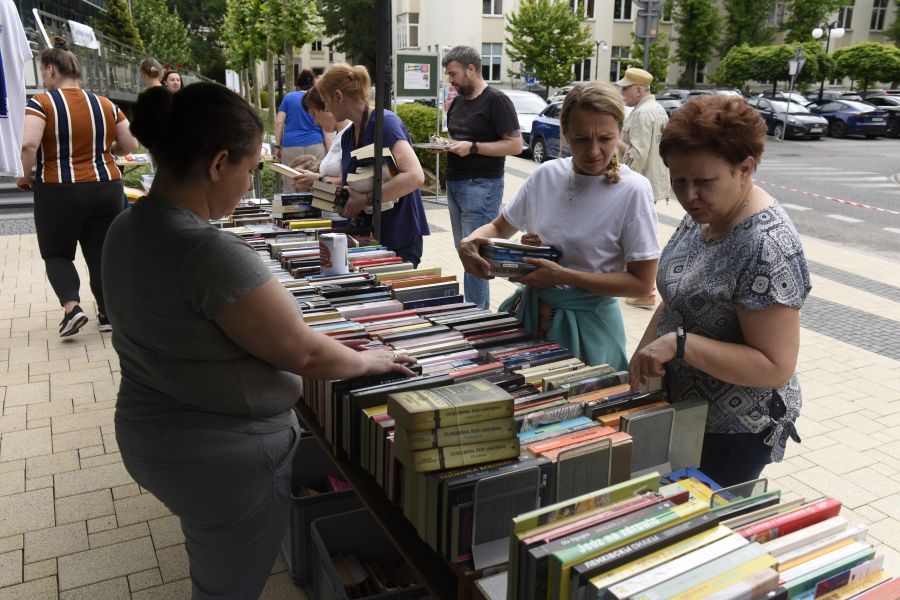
164, 33
746, 23
267, 183
116, 22
132, 178
421, 120
659, 59
770, 63
698, 25
805, 15
288, 24
243, 33
351, 26
738, 66
868, 62
264, 97
548, 39
893, 32
204, 19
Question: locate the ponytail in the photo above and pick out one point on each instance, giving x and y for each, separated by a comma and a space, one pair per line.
61, 58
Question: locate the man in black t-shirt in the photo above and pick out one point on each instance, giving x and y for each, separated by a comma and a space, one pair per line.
485, 129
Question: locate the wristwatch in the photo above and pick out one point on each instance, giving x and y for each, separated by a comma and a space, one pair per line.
681, 338
474, 148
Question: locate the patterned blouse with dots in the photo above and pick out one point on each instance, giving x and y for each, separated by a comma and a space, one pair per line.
760, 263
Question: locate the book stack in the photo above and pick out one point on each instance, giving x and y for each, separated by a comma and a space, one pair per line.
294, 205
507, 259
328, 197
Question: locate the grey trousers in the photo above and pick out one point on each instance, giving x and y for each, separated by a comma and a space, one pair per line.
232, 492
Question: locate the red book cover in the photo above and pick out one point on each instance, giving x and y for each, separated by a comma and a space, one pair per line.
790, 522
889, 590
578, 437
615, 437
376, 261
466, 372
483, 336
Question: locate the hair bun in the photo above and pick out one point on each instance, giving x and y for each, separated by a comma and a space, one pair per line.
151, 113
60, 42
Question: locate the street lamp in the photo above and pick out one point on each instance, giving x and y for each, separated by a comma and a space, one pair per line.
601, 45
829, 30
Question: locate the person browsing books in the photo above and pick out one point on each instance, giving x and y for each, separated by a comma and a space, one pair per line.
295, 131
210, 344
599, 215
484, 129
732, 280
345, 91
329, 169
71, 135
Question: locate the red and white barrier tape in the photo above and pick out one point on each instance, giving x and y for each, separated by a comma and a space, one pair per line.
823, 197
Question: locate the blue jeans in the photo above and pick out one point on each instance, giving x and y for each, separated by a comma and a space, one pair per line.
473, 203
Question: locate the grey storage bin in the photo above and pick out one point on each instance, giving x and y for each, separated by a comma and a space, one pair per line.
356, 533
311, 469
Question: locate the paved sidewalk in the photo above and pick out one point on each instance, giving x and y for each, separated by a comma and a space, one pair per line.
74, 526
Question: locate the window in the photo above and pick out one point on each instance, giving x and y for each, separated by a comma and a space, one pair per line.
879, 9
776, 15
316, 46
490, 61
700, 72
583, 71
618, 54
408, 30
583, 8
845, 17
622, 10
492, 7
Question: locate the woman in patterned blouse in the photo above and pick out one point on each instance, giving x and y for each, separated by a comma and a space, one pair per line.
732, 279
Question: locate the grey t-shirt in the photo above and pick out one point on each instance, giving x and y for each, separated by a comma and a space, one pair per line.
166, 274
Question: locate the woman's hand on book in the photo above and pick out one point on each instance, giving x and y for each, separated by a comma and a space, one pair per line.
650, 360
356, 202
383, 361
472, 261
548, 273
304, 181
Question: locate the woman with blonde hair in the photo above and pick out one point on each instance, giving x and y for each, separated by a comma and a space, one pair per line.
345, 91
151, 72
599, 214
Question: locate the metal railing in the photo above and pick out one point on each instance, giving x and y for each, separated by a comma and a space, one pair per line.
111, 71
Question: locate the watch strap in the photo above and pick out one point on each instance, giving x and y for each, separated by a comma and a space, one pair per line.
681, 339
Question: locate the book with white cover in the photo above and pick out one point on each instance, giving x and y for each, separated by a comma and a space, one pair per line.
805, 536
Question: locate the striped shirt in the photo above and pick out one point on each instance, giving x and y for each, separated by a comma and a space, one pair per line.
79, 132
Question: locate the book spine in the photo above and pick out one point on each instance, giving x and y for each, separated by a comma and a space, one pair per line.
460, 456
792, 521
483, 431
461, 415
747, 570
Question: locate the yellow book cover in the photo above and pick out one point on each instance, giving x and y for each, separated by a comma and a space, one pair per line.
310, 224
730, 577
457, 404
482, 431
438, 459
380, 277
790, 564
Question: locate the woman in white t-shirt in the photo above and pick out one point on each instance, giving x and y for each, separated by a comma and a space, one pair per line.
599, 215
330, 166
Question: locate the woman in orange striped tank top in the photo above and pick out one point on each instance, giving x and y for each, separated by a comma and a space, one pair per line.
70, 137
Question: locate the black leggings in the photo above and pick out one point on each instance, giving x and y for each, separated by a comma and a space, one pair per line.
66, 214
733, 458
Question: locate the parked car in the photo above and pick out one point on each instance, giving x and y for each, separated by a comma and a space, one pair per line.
800, 122
560, 94
727, 92
670, 104
527, 106
848, 117
673, 93
891, 104
534, 88
834, 95
546, 140
795, 97
870, 93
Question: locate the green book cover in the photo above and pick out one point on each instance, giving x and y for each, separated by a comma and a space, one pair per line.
450, 405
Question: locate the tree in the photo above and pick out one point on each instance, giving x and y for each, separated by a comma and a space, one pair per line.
548, 39
867, 62
893, 32
244, 38
746, 22
116, 22
204, 21
738, 66
659, 58
164, 34
806, 15
698, 24
289, 24
351, 26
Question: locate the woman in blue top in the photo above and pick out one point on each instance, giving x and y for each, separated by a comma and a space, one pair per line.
345, 90
295, 131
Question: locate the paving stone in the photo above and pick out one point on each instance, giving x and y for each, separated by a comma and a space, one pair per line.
84, 506
886, 530
121, 534
27, 393
10, 568
73, 440
102, 524
27, 354
838, 459
114, 589
144, 580
39, 589
51, 464
177, 590
49, 409
55, 541
81, 376
94, 418
103, 459
46, 367
95, 405
110, 444
13, 465
136, 509
26, 512
89, 480
14, 377
67, 352
39, 570
13, 542
126, 491
90, 451
106, 562
166, 531
869, 513
874, 482
78, 365
10, 411
12, 482
106, 390
77, 392
23, 444
38, 483
173, 563
37, 423
827, 483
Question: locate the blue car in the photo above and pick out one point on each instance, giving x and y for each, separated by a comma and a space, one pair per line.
849, 117
546, 142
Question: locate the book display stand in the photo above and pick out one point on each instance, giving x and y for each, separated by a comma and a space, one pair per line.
497, 500
583, 469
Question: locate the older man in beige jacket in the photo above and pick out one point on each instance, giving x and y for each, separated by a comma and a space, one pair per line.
639, 144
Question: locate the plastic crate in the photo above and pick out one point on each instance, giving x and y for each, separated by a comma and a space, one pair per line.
355, 533
311, 468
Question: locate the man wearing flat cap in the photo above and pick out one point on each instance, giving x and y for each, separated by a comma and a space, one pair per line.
639, 143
